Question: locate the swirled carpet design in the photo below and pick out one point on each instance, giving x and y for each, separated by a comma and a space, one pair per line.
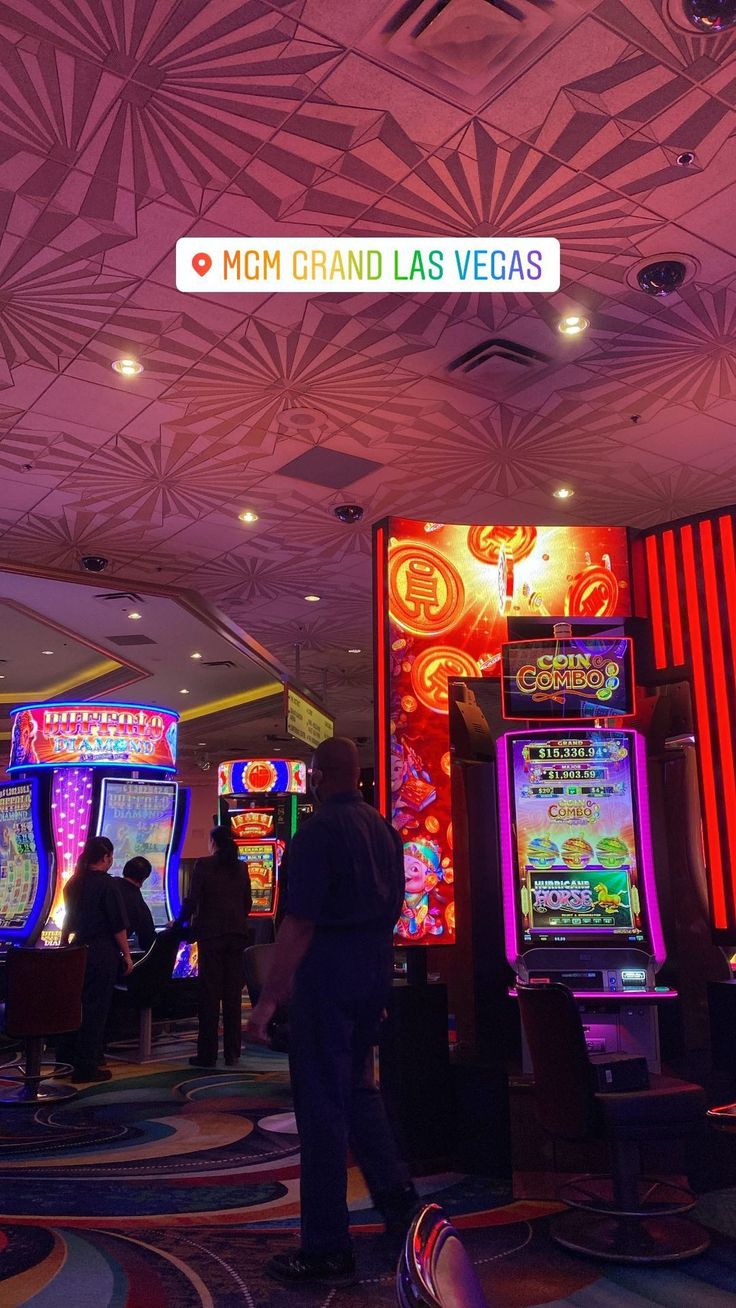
162, 1187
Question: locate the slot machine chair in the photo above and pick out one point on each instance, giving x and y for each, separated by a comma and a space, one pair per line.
624, 1217
434, 1269
43, 998
147, 990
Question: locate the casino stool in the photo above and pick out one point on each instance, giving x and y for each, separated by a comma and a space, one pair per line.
434, 1270
147, 989
624, 1217
43, 999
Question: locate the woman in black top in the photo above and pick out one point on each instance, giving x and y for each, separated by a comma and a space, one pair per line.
218, 905
95, 918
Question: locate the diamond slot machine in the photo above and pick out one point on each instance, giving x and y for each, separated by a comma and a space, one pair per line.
102, 769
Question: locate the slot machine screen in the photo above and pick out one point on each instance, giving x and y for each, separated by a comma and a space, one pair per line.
261, 860
23, 862
575, 838
139, 817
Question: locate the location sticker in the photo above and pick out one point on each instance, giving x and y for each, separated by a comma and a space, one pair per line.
201, 264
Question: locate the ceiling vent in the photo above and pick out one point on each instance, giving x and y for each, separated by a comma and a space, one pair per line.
130, 640
328, 467
217, 663
126, 596
475, 46
497, 347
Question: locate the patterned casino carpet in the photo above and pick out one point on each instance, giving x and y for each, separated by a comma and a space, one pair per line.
162, 1189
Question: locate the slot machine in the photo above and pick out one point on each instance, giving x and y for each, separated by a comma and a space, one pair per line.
579, 895
103, 769
26, 863
260, 799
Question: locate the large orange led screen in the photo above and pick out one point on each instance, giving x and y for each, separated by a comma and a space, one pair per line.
442, 598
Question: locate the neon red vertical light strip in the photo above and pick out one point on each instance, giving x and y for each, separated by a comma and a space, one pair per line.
673, 597
700, 682
719, 687
655, 603
381, 653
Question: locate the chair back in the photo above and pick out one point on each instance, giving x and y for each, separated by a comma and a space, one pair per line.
44, 991
257, 961
434, 1269
152, 973
554, 1033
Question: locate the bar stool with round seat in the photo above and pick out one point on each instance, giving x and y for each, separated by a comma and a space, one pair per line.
43, 998
434, 1268
624, 1217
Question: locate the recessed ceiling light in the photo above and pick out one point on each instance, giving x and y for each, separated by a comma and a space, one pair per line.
127, 367
47, 651
2, 676
563, 493
573, 324
201, 743
135, 617
312, 599
184, 691
355, 651
195, 655
248, 516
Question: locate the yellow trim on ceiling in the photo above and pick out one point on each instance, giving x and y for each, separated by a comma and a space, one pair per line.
233, 701
61, 687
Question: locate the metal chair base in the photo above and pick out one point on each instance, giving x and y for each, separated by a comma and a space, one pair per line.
652, 1197
629, 1239
47, 1092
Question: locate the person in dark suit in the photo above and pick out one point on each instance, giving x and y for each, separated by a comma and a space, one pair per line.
140, 922
217, 907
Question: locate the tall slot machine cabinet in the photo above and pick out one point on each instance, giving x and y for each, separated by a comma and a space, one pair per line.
262, 801
81, 770
579, 896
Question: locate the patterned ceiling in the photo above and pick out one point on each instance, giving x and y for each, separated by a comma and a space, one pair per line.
126, 124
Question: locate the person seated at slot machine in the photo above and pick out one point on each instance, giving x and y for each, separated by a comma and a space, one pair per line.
140, 922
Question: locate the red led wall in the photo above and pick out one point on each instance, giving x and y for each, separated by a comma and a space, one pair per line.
443, 594
685, 575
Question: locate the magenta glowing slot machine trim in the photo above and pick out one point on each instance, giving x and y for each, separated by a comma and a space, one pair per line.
644, 842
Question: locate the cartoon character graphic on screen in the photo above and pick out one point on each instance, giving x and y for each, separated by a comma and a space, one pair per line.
423, 871
25, 730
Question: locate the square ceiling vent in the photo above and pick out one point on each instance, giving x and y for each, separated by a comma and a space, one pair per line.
329, 467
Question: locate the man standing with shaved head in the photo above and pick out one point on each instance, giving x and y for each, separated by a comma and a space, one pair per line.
333, 957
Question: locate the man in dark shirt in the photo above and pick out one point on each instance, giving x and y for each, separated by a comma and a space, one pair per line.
140, 922
346, 888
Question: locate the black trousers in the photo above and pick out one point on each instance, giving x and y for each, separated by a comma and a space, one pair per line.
221, 982
85, 1048
340, 991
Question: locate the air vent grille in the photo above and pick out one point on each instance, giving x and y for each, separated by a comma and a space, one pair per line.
217, 663
498, 347
128, 596
475, 46
130, 640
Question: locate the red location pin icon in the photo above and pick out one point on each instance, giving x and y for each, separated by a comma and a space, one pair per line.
201, 264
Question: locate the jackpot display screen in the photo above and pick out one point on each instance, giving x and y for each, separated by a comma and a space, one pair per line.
575, 837
139, 817
262, 863
23, 863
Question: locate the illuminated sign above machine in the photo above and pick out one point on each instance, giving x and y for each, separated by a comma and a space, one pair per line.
305, 721
262, 776
569, 679
116, 735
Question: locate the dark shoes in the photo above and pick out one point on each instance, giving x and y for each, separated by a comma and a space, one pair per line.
302, 1268
196, 1061
398, 1207
80, 1074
